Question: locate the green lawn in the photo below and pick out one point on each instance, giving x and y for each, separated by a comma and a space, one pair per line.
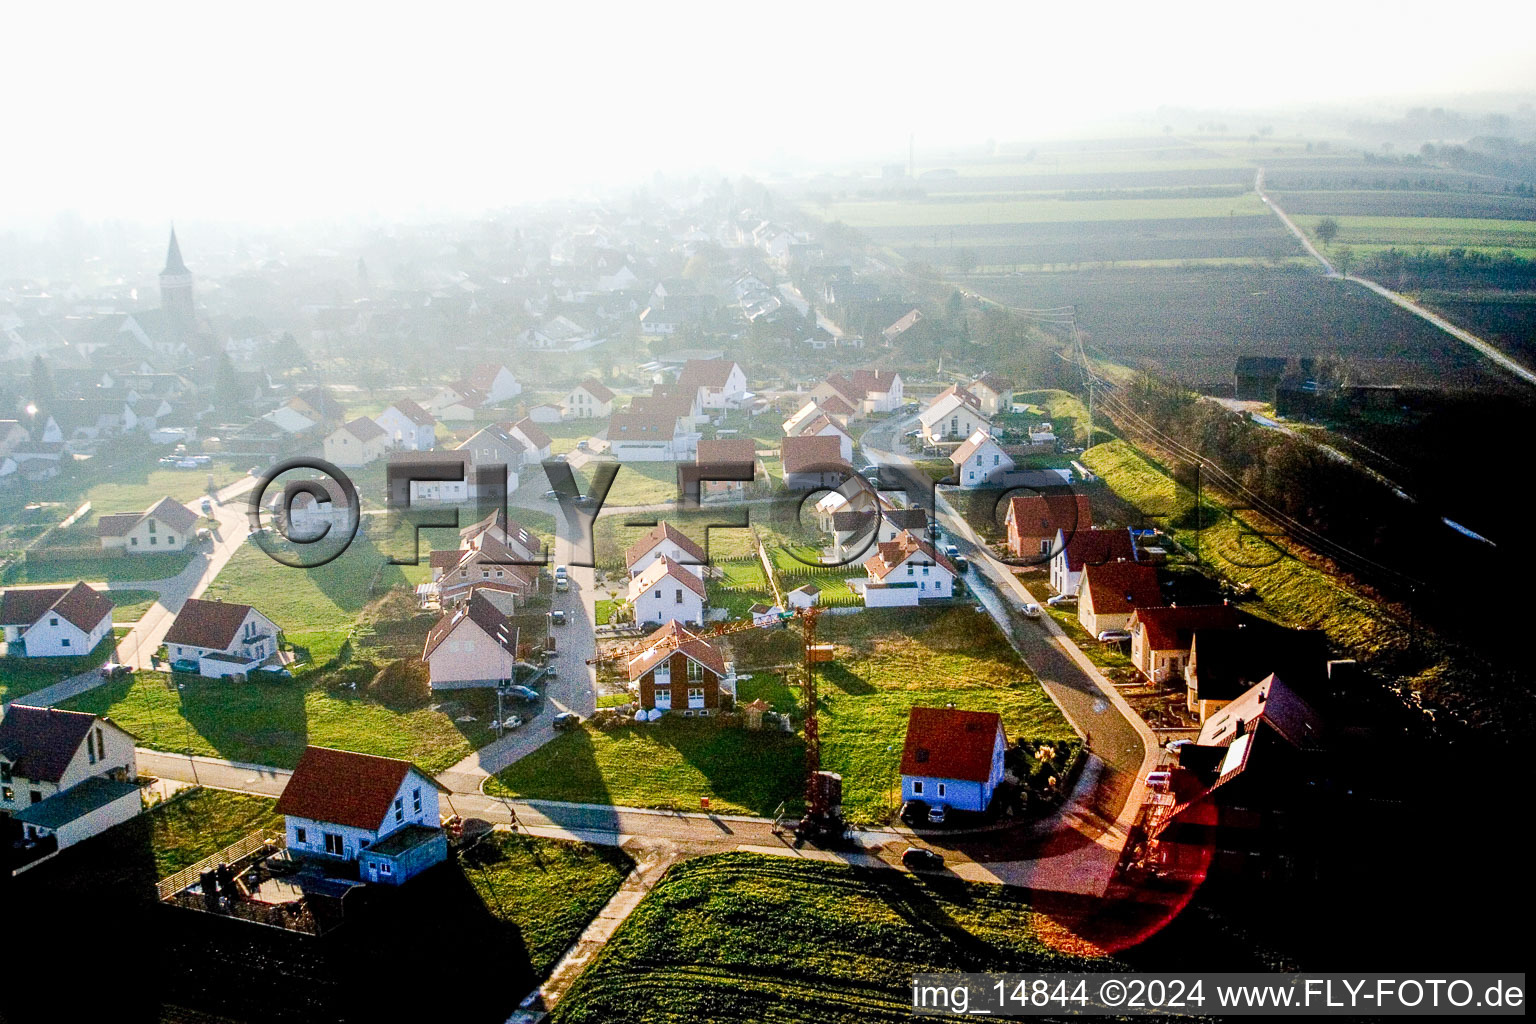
130, 605
548, 889
742, 937
20, 676
196, 823
1369, 233
271, 723
67, 570
637, 483
668, 764
613, 534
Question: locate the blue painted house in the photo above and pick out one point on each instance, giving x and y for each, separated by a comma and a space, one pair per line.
952, 758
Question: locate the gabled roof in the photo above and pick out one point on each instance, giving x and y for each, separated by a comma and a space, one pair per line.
345, 788
596, 389
81, 605
901, 326
167, 510
1173, 628
530, 430
484, 376
207, 623
970, 447
1097, 547
732, 452
1118, 587
893, 553
875, 382
39, 743
665, 568
480, 611
993, 383
851, 392
1271, 702
658, 533
363, 428
687, 642
946, 403
818, 424
946, 743
815, 452
1041, 515
414, 412
639, 426
837, 406
707, 373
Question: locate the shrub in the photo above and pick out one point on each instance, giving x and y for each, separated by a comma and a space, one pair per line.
404, 681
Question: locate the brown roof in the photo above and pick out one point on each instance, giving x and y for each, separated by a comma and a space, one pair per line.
345, 788
84, 606
1173, 629
207, 623
836, 405
658, 533
363, 428
117, 524
820, 452
1041, 515
994, 383
945, 743
850, 391
531, 431
687, 642
642, 426
596, 389
966, 450
167, 510
479, 610
814, 427
874, 381
664, 568
1117, 587
706, 373
24, 607
39, 743
736, 451
900, 326
1098, 547
415, 413
81, 605
892, 553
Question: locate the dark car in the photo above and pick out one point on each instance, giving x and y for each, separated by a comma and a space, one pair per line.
914, 812
566, 720
918, 859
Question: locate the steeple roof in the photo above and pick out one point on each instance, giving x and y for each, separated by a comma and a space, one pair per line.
173, 264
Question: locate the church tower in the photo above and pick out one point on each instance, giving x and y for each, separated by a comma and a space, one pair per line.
176, 283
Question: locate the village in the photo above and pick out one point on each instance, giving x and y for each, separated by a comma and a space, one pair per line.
681, 545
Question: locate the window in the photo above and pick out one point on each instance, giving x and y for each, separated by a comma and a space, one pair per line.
64, 642
300, 836
658, 593
151, 528
8, 794
917, 787
133, 541
335, 845
153, 541
363, 844
695, 693
695, 670
53, 621
941, 789
90, 751
5, 771
101, 745
679, 596
36, 795
385, 868
399, 808
416, 800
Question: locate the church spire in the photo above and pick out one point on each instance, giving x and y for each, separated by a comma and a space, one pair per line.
173, 264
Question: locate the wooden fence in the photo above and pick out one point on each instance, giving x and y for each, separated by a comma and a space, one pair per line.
170, 886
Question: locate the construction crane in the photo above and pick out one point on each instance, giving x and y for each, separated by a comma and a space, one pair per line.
823, 790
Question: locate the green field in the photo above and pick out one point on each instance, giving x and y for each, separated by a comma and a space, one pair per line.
20, 676
271, 723
886, 213
1367, 234
740, 937
198, 822
130, 605
128, 568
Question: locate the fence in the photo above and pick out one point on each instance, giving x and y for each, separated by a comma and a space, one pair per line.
170, 886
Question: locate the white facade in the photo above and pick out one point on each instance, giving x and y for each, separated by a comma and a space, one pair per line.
987, 466
415, 803
667, 598
951, 419
108, 749
54, 636
666, 548
405, 433
255, 640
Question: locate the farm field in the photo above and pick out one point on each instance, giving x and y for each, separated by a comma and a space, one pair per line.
1045, 210
1395, 203
1368, 234
740, 937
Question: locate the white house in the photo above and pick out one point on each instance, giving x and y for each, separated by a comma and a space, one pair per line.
952, 758
1092, 546
474, 646
825, 426
665, 541
356, 443
55, 622
994, 394
408, 426
722, 383
381, 812
667, 591
588, 400
167, 525
494, 381
536, 443
882, 390
646, 437
65, 775
218, 638
805, 596
981, 461
952, 417
904, 572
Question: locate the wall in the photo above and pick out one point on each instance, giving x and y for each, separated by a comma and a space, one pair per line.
48, 641
469, 657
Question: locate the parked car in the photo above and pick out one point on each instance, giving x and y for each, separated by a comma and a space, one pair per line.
552, 495
581, 445
918, 859
1174, 746
512, 722
1061, 599
113, 669
962, 564
951, 551
1113, 636
914, 812
557, 618
1030, 610
523, 692
936, 815
205, 534
207, 508
566, 720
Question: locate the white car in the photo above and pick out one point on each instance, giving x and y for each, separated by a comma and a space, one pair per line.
1030, 610
512, 722
1061, 599
1113, 636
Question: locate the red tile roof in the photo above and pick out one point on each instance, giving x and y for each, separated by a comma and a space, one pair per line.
167, 510
415, 413
363, 428
1173, 629
820, 452
658, 533
706, 373
24, 607
874, 382
733, 452
531, 431
39, 743
641, 426
665, 568
345, 788
207, 623
893, 553
944, 743
1098, 547
1041, 515
1118, 587
81, 605
687, 642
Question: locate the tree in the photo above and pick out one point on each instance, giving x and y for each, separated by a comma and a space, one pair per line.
1345, 258
1327, 230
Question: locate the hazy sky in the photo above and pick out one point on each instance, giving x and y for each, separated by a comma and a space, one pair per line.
283, 111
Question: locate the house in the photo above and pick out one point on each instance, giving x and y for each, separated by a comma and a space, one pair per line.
356, 443
646, 437
55, 622
494, 381
805, 596
546, 412
535, 442
1087, 547
65, 776
882, 390
408, 426
812, 409
812, 463
888, 335
734, 456
473, 646
856, 531
167, 525
825, 426
721, 382
1161, 638
1255, 378
12, 433
981, 462
309, 518
218, 638
380, 812
1225, 663
953, 416
1034, 522
665, 541
994, 394
952, 758
1112, 592
316, 405
680, 671
904, 572
457, 403
586, 401
666, 591
853, 495
491, 564
766, 614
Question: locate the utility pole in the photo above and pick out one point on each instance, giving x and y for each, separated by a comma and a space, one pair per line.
1197, 513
